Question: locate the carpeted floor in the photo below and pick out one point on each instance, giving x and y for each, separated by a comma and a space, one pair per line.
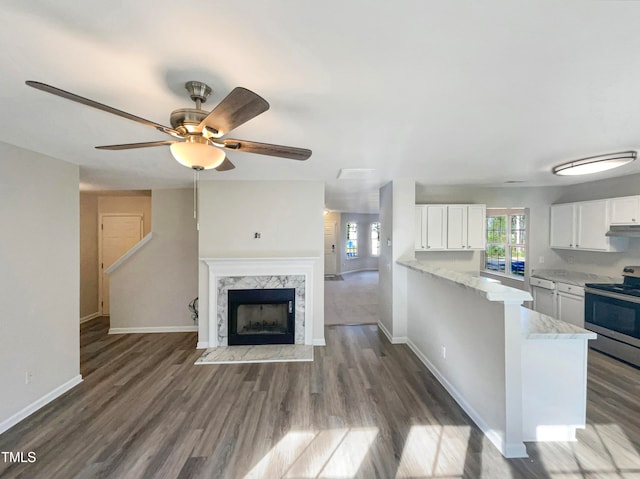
353, 300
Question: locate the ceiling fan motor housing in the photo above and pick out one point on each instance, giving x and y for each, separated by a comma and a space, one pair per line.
198, 91
186, 120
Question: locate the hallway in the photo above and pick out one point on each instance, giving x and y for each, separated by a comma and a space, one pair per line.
352, 299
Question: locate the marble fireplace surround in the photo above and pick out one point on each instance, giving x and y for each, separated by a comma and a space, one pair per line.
259, 273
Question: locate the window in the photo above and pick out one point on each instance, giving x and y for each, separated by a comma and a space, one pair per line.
375, 239
506, 242
352, 240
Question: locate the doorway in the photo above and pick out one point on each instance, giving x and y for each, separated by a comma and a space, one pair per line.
330, 246
118, 234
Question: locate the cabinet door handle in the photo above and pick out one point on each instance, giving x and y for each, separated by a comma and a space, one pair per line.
570, 245
577, 246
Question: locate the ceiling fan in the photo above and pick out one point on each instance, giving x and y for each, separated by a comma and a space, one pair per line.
198, 141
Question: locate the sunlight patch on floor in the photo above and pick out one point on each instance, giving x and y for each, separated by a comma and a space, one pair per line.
602, 450
330, 454
434, 451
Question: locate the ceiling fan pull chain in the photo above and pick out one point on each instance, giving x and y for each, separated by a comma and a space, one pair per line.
196, 196
195, 189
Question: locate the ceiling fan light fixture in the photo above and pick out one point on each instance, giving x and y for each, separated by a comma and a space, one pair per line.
595, 164
197, 154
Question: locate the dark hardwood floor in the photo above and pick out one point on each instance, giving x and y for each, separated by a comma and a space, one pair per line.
364, 408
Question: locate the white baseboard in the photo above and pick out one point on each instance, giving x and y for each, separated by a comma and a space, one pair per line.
202, 345
43, 401
507, 450
89, 317
155, 329
392, 339
319, 342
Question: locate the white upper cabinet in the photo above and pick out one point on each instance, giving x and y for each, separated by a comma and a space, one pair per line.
562, 234
477, 226
583, 226
592, 225
457, 227
450, 227
625, 210
436, 233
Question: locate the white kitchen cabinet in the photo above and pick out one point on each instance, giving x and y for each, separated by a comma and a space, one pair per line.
571, 304
544, 296
583, 226
436, 227
477, 227
430, 227
466, 227
592, 224
625, 210
457, 227
450, 227
562, 234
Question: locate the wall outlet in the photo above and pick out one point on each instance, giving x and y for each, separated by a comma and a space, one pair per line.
444, 352
570, 259
28, 377
541, 259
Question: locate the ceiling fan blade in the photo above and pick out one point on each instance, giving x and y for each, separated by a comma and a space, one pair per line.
238, 107
85, 101
226, 165
129, 146
290, 152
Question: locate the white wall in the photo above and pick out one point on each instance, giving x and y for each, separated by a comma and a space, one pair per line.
474, 338
39, 279
287, 214
385, 275
88, 255
364, 260
153, 288
397, 200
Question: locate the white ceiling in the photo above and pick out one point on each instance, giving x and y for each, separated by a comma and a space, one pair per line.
441, 91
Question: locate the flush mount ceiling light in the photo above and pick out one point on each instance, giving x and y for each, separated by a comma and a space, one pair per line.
595, 164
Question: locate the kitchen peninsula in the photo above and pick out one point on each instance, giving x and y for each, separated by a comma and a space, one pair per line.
520, 375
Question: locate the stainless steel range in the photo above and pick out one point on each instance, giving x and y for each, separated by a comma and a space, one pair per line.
613, 311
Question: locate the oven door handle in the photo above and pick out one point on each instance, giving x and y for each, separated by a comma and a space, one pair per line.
609, 294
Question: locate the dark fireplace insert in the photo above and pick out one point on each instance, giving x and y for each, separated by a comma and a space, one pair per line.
261, 316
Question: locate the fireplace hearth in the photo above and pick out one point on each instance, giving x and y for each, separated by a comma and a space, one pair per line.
261, 316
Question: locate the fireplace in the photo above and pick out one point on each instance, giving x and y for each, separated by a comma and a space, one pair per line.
261, 316
226, 274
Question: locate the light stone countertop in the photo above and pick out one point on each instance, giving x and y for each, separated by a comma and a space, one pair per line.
486, 287
577, 278
540, 326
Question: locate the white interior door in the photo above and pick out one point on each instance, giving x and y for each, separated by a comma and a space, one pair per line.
118, 234
330, 254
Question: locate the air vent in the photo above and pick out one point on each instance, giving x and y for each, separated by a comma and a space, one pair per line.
356, 173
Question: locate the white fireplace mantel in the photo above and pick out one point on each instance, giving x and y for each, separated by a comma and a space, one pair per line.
220, 268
